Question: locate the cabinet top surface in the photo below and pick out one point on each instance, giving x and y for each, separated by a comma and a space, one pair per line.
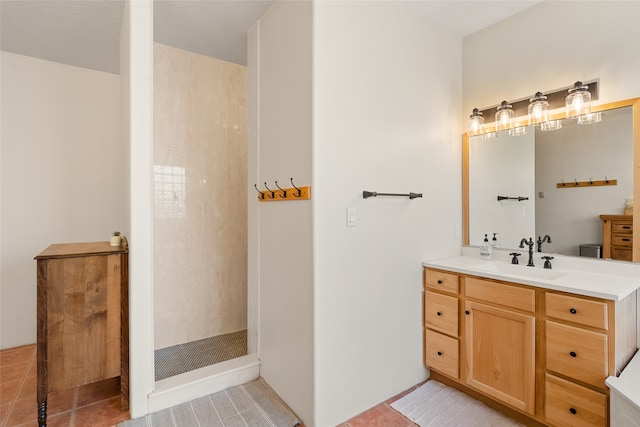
572, 279
616, 217
66, 250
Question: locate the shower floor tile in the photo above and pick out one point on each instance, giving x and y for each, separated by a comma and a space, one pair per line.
178, 359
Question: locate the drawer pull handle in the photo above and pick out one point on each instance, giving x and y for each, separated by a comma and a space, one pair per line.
439, 353
626, 240
626, 227
438, 313
439, 281
573, 354
467, 312
573, 411
573, 311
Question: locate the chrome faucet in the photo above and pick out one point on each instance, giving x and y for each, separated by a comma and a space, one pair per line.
540, 241
529, 243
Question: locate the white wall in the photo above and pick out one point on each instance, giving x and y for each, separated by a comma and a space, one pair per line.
283, 233
136, 68
386, 111
61, 173
574, 40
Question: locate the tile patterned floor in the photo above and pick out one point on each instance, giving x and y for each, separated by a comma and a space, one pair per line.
91, 405
97, 405
383, 415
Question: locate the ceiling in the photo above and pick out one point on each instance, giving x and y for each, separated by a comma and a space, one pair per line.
86, 33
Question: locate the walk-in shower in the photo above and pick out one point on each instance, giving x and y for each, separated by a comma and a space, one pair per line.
200, 211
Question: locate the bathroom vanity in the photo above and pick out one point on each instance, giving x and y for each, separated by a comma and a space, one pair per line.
541, 342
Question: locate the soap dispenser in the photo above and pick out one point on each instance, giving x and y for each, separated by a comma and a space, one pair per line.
485, 249
494, 242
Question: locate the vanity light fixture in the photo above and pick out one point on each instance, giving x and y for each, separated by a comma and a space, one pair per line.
578, 102
551, 125
518, 131
489, 136
504, 117
538, 109
587, 119
476, 122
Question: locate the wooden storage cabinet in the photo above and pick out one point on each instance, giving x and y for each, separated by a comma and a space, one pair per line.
617, 236
544, 353
82, 319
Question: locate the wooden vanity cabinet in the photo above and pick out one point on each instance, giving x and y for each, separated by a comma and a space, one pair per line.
545, 354
82, 306
617, 237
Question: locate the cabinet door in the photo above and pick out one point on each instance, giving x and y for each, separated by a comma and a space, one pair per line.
500, 349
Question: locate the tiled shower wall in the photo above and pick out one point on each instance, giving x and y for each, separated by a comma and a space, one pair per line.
200, 203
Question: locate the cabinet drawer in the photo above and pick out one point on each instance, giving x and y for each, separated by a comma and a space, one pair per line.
441, 313
446, 282
498, 293
441, 353
622, 239
578, 310
577, 353
623, 254
568, 404
622, 227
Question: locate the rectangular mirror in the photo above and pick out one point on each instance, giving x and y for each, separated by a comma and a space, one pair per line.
527, 170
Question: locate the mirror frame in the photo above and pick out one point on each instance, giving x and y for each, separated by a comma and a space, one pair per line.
634, 103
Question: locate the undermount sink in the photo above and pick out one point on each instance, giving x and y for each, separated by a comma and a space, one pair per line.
518, 270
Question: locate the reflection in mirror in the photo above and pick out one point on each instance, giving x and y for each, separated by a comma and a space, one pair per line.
531, 166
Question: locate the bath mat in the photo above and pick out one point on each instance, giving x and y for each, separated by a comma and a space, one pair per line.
434, 404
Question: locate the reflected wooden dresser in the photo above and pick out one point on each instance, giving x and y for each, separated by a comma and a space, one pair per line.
82, 320
617, 236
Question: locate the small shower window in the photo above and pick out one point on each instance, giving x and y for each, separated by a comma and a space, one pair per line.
169, 191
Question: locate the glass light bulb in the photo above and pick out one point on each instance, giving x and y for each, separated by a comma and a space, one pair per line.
504, 116
476, 122
578, 102
538, 109
551, 125
590, 118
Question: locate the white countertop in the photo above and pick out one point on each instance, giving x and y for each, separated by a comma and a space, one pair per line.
627, 384
587, 277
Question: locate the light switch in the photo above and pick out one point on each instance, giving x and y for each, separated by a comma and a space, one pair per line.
351, 217
457, 232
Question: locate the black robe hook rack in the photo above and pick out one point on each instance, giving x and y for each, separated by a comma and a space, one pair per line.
367, 194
